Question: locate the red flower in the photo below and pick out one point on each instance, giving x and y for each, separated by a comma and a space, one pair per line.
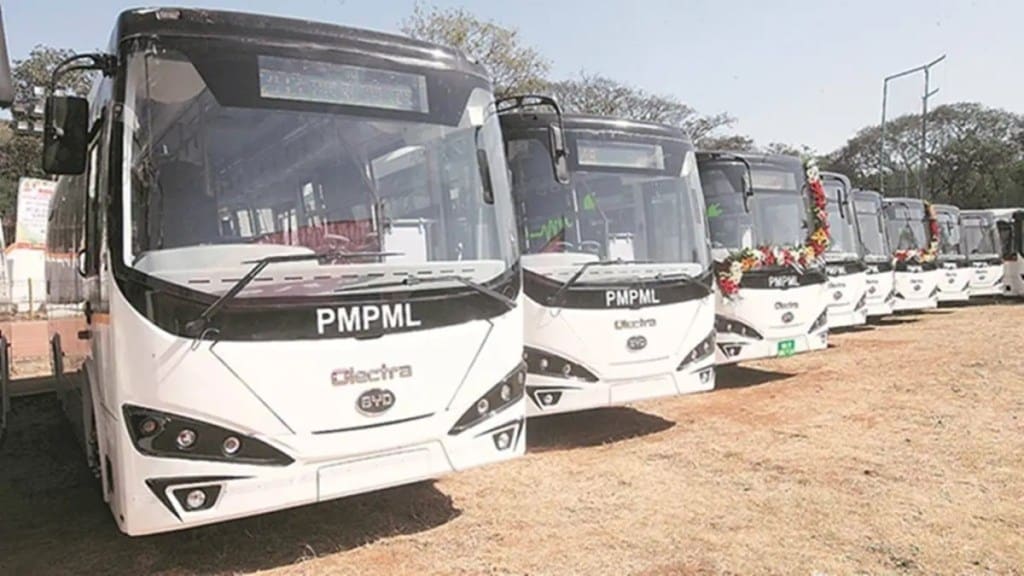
727, 286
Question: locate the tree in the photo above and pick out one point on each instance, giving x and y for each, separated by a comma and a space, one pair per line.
600, 95
732, 143
513, 67
975, 156
21, 153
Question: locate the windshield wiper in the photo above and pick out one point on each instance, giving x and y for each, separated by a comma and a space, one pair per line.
196, 327
555, 298
414, 280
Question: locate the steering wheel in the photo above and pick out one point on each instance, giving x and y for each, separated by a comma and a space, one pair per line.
592, 246
563, 245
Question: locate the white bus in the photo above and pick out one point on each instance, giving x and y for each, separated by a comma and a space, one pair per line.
1010, 222
291, 247
616, 270
955, 270
844, 259
910, 229
878, 255
981, 242
778, 307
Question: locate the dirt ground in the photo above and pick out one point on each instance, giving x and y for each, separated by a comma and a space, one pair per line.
900, 450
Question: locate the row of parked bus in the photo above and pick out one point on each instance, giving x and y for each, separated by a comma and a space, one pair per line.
308, 261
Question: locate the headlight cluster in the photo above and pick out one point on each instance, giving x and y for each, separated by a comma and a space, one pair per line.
166, 435
725, 325
862, 302
820, 322
891, 296
502, 395
705, 348
547, 364
935, 292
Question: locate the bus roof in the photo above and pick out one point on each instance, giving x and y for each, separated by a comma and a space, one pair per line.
753, 157
200, 23
528, 120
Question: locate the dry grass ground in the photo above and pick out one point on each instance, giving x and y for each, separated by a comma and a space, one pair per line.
898, 450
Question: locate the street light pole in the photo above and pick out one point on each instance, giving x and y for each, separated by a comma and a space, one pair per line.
885, 97
924, 124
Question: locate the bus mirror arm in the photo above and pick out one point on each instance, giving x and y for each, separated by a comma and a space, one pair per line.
556, 131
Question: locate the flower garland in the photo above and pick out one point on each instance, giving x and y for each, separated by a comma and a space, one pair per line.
932, 252
731, 270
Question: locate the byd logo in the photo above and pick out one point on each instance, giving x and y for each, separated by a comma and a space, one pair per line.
375, 402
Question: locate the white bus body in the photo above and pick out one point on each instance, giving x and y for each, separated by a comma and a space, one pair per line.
778, 310
981, 243
881, 276
916, 285
619, 303
1010, 222
288, 296
955, 271
844, 259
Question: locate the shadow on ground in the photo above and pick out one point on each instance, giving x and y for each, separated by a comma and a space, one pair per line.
733, 376
591, 428
851, 330
898, 320
50, 501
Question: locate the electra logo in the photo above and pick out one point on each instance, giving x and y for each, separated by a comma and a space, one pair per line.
630, 297
837, 296
366, 317
787, 305
636, 343
346, 376
872, 289
375, 402
787, 317
788, 281
635, 324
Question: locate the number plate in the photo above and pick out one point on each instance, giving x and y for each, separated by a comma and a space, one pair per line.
787, 348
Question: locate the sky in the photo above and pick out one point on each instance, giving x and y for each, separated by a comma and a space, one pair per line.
802, 73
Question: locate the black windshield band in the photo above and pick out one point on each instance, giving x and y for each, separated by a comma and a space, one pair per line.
616, 295
776, 278
842, 268
907, 266
171, 306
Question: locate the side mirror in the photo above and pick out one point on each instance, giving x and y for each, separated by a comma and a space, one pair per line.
559, 155
65, 135
485, 175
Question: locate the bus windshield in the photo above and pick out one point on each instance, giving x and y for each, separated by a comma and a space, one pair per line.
777, 213
845, 242
231, 156
906, 225
980, 236
872, 230
950, 241
623, 203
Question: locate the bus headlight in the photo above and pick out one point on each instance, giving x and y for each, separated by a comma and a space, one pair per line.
725, 325
547, 364
501, 396
820, 322
705, 348
165, 435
